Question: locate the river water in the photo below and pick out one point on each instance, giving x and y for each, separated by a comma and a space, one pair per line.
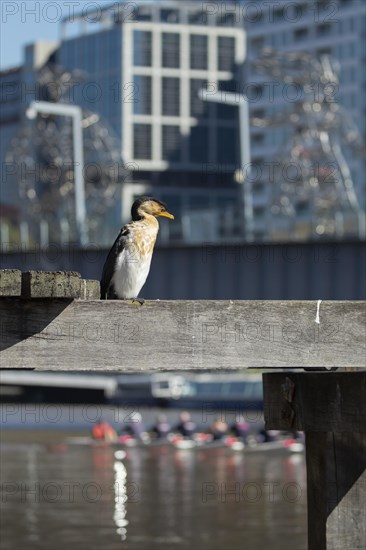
58, 496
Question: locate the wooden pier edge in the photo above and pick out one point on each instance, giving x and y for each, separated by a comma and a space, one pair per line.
55, 321
331, 409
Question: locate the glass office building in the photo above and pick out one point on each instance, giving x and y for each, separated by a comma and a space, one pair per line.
141, 66
334, 28
150, 65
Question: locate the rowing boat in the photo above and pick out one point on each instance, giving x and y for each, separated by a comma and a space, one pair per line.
282, 446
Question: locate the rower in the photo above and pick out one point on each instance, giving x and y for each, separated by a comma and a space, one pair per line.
186, 427
162, 427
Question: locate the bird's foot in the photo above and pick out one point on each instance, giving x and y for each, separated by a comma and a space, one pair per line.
141, 301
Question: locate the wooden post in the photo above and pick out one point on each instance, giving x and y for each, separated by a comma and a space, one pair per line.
331, 409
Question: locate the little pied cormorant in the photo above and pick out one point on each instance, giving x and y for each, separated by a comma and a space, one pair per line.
128, 262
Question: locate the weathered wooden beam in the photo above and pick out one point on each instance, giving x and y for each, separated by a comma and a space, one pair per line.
50, 284
331, 409
178, 335
315, 402
10, 282
47, 284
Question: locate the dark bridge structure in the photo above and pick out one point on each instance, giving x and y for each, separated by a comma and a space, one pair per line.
293, 271
56, 321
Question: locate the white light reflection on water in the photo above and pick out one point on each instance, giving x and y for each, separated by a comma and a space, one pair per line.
31, 515
121, 497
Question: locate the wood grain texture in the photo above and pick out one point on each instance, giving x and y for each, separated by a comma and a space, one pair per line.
10, 282
320, 402
179, 335
51, 284
336, 490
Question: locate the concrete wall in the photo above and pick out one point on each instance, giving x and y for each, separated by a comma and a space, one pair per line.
330, 271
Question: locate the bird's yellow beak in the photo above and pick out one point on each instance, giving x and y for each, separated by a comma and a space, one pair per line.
166, 215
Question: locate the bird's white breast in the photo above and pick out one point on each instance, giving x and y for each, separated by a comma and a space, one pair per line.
131, 270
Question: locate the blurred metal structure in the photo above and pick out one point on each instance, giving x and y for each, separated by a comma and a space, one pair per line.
55, 183
75, 112
229, 98
311, 171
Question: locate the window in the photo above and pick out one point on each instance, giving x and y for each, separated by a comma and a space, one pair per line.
257, 43
324, 51
142, 13
226, 145
259, 212
224, 111
258, 390
198, 144
142, 141
198, 202
257, 16
226, 20
301, 9
171, 96
142, 95
279, 15
198, 51
258, 113
324, 29
197, 17
169, 16
301, 34
171, 143
142, 48
227, 112
170, 50
302, 208
198, 106
351, 49
258, 139
258, 187
226, 52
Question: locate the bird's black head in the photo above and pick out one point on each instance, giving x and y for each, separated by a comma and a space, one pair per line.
151, 206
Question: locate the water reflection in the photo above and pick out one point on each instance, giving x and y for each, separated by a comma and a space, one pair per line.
120, 491
152, 498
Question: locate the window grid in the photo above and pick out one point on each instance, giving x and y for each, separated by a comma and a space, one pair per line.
171, 143
142, 48
171, 50
142, 141
170, 96
198, 51
226, 53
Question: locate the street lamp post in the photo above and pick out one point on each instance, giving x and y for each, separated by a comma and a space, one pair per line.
240, 101
75, 113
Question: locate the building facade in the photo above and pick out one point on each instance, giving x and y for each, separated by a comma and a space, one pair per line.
336, 29
150, 66
142, 66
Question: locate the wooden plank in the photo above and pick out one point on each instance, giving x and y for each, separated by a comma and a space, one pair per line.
179, 335
57, 284
51, 284
10, 282
336, 490
315, 402
89, 289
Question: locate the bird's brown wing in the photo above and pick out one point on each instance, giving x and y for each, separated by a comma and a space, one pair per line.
110, 264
